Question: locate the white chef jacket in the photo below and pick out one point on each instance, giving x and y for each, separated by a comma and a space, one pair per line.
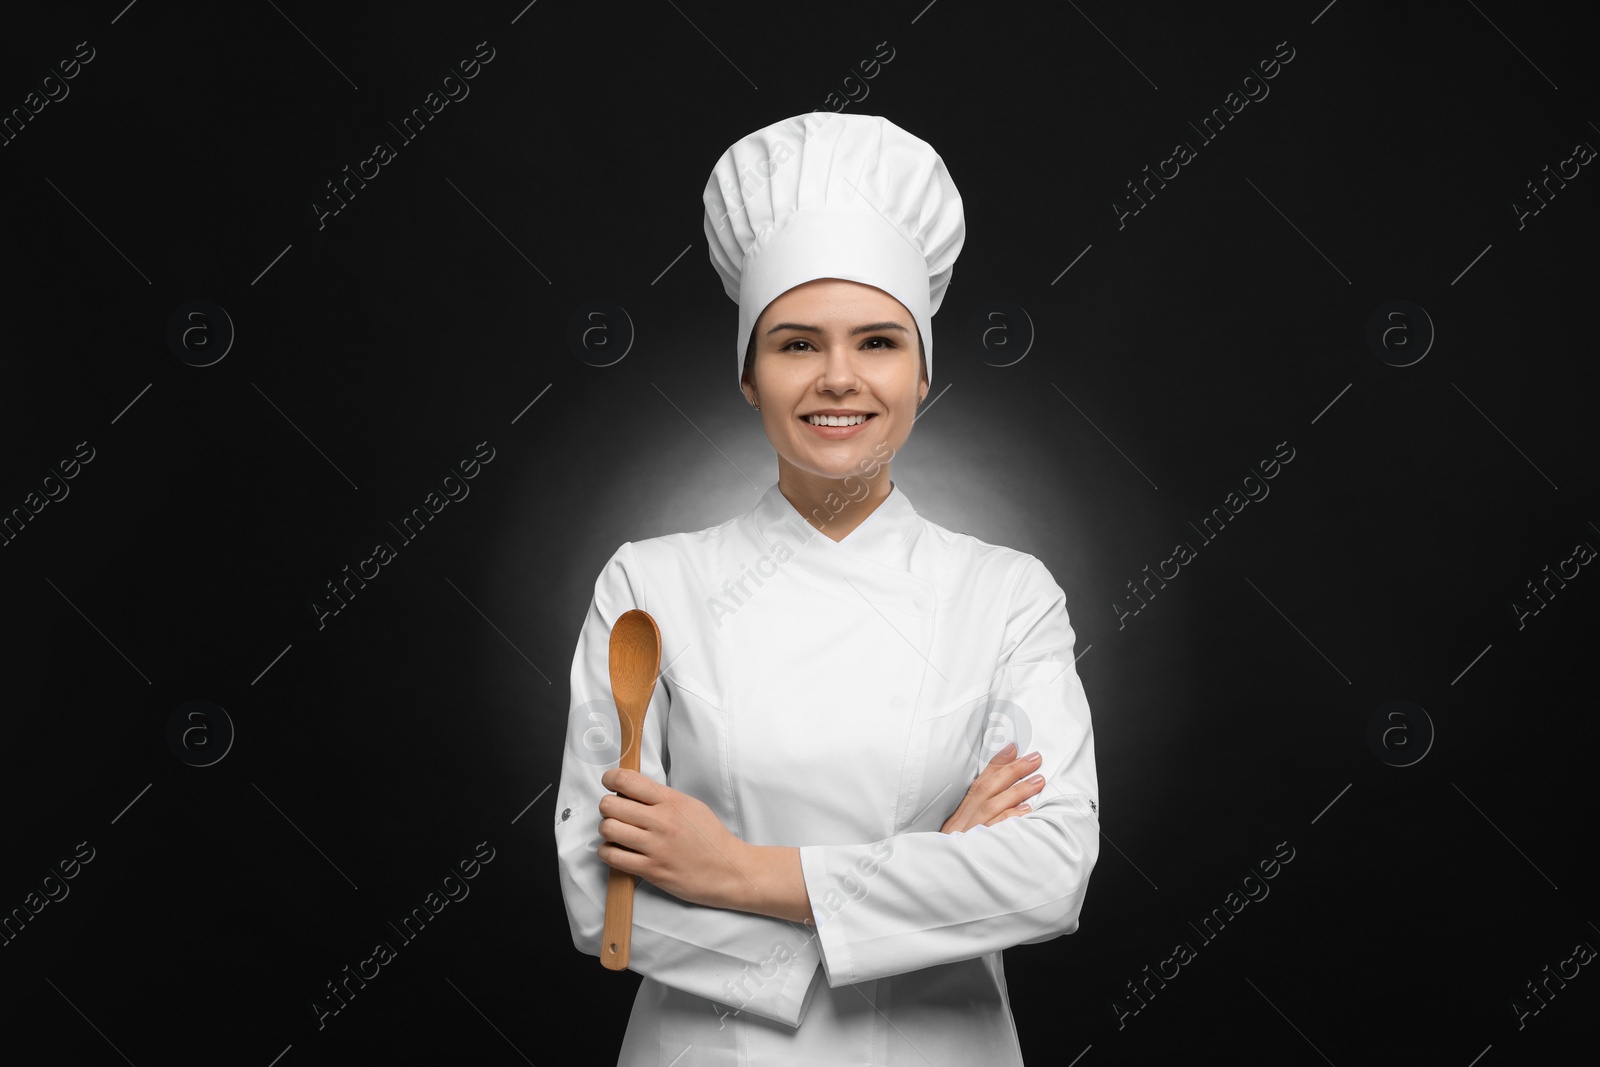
839, 697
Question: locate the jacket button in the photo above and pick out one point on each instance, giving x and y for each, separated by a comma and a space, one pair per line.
566, 813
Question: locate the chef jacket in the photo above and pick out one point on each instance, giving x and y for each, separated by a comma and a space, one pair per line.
839, 697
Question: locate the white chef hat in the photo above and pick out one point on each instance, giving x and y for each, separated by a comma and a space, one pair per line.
827, 195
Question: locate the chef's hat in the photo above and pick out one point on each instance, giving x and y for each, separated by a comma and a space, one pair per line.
827, 195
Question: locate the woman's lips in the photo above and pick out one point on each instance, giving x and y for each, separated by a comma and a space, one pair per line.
835, 433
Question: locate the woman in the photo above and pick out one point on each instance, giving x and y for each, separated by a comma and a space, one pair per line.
831, 853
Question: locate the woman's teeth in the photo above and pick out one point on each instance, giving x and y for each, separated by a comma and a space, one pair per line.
836, 420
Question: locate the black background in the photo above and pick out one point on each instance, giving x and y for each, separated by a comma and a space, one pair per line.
375, 351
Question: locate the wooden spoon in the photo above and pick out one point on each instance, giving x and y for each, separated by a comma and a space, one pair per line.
635, 663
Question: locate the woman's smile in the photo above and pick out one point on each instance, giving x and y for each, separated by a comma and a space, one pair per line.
836, 426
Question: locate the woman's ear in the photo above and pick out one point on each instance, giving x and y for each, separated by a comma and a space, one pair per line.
747, 379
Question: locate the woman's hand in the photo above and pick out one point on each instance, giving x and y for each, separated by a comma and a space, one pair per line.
672, 841
996, 794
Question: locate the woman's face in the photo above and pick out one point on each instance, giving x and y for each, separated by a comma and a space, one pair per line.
831, 346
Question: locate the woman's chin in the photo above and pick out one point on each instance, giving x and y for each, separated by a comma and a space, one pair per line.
834, 464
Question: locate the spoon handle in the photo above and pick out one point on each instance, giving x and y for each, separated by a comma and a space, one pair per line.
614, 944
618, 934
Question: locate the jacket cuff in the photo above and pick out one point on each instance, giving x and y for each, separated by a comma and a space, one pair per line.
775, 984
832, 948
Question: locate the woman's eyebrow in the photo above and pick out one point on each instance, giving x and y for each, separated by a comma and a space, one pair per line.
868, 328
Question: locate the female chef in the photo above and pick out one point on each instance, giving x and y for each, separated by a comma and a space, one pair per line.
833, 848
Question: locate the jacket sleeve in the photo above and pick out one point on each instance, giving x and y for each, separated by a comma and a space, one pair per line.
924, 898
751, 962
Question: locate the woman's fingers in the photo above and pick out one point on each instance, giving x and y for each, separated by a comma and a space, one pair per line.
995, 795
617, 832
1005, 755
1014, 801
1007, 783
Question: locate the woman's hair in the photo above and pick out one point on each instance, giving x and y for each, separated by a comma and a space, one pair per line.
750, 355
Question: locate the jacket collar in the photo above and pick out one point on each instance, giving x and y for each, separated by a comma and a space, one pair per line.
881, 536
877, 556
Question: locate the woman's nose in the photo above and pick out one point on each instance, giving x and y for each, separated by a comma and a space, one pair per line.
839, 368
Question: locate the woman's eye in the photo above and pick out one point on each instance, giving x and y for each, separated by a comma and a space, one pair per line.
802, 341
